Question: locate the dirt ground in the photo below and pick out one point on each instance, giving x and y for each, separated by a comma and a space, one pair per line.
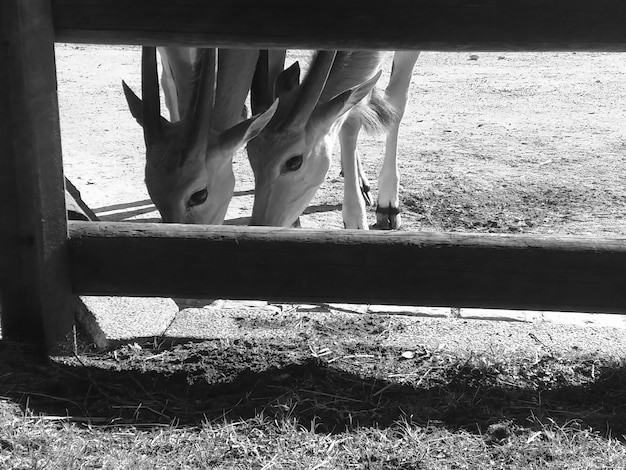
492, 142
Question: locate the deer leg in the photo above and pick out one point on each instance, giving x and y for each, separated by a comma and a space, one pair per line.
169, 89
388, 207
364, 183
178, 65
353, 208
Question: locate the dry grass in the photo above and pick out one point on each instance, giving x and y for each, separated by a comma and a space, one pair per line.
361, 406
261, 443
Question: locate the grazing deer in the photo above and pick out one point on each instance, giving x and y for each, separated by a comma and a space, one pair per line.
291, 156
189, 172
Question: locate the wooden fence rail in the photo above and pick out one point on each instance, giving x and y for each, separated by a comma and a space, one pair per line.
41, 267
419, 268
349, 24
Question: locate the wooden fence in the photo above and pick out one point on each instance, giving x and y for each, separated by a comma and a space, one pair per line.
44, 262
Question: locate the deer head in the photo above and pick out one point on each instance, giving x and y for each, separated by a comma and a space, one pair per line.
188, 170
291, 156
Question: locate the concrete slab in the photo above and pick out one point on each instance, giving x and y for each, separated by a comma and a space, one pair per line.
526, 316
109, 319
224, 319
560, 318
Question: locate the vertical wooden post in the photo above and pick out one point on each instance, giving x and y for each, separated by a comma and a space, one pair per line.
34, 283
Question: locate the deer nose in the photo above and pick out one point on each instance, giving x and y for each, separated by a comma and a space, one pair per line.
167, 218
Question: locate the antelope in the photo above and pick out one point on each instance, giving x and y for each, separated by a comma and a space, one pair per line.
291, 156
188, 173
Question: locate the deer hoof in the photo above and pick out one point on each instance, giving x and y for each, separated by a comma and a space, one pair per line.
388, 218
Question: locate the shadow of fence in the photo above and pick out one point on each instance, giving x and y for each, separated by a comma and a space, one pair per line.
190, 383
133, 210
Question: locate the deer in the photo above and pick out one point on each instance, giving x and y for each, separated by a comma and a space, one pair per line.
291, 155
188, 172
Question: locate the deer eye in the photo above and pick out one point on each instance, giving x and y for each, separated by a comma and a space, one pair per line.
293, 164
197, 198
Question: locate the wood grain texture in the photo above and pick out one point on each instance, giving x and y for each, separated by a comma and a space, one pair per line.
428, 269
335, 24
34, 277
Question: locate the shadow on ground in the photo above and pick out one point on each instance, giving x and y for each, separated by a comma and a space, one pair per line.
191, 382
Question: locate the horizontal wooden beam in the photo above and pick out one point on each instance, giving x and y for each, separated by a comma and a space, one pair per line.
430, 269
366, 24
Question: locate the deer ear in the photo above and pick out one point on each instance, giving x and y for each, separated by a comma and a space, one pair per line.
288, 80
237, 136
327, 113
134, 103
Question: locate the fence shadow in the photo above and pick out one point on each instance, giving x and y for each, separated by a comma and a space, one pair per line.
121, 212
192, 382
124, 211
128, 210
322, 208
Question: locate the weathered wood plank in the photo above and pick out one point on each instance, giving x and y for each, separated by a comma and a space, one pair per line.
431, 269
367, 24
34, 282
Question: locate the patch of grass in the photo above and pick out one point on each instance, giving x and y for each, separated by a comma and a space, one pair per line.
330, 401
263, 443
